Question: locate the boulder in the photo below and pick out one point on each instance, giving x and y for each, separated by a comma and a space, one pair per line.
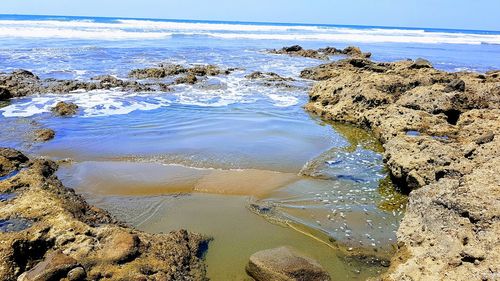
54, 267
10, 160
42, 135
284, 264
421, 63
455, 85
119, 247
65, 109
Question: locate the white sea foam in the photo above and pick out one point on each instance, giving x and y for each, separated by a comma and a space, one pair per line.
150, 29
93, 104
98, 103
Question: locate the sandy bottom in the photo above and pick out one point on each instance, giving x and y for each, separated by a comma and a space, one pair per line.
128, 178
237, 232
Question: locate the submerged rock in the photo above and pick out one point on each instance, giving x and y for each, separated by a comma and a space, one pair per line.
188, 79
284, 264
267, 76
65, 109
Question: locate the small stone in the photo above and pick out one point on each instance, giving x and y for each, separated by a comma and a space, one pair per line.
77, 274
485, 138
284, 264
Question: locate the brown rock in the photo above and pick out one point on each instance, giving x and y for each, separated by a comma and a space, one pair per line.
42, 135
77, 274
485, 138
188, 79
421, 63
10, 160
119, 247
65, 109
283, 264
55, 266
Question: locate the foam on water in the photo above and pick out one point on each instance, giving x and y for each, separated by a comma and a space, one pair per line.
156, 29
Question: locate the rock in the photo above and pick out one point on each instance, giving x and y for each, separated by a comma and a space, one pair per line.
77, 274
120, 247
267, 76
65, 109
282, 264
10, 160
485, 138
42, 135
455, 85
451, 169
53, 267
188, 79
421, 63
294, 48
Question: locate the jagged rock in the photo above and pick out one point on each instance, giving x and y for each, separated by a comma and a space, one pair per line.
4, 93
284, 264
42, 135
77, 274
450, 169
455, 85
65, 109
322, 53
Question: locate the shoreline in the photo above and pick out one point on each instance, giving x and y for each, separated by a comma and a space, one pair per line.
441, 145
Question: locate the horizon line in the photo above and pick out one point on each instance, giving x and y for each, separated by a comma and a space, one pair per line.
257, 22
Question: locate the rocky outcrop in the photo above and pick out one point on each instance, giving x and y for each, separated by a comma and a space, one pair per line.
267, 76
10, 161
67, 239
440, 133
284, 264
321, 54
169, 70
65, 109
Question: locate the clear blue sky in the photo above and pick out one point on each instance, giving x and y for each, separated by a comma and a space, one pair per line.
461, 14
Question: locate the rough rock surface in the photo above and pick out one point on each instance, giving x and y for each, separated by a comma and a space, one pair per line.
284, 264
168, 70
71, 240
441, 134
42, 135
321, 54
65, 109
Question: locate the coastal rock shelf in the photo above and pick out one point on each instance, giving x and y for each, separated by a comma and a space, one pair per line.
61, 236
449, 164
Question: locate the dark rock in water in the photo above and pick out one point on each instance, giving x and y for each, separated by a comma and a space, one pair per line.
14, 225
42, 135
455, 85
188, 79
24, 73
65, 109
267, 76
421, 63
283, 264
294, 48
10, 160
485, 138
54, 267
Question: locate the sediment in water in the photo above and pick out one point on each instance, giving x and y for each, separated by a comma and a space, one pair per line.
451, 168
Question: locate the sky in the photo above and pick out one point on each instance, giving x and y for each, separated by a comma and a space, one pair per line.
454, 14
